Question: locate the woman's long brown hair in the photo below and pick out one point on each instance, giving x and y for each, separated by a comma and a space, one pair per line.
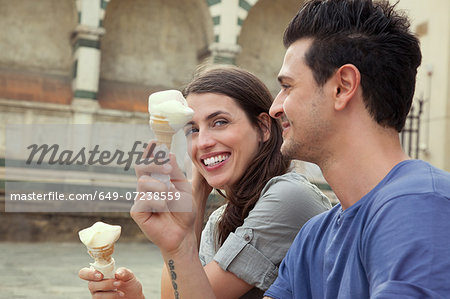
254, 98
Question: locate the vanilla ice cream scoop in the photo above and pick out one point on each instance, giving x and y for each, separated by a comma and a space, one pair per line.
100, 235
169, 105
99, 240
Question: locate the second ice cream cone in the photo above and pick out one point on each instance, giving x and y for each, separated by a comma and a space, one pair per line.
102, 253
104, 262
99, 240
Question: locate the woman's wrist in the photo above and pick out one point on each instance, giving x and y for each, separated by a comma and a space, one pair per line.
188, 278
186, 249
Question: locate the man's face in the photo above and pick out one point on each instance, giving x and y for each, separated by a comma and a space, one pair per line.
302, 106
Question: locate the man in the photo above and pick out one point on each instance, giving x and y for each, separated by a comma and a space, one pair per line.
347, 81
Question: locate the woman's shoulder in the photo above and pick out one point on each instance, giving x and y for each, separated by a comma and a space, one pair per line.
216, 214
208, 241
291, 190
291, 182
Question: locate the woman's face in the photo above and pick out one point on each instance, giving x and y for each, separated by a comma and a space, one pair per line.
223, 139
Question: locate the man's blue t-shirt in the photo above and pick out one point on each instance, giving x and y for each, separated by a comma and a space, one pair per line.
393, 243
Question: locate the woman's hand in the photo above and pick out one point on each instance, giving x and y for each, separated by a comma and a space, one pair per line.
170, 224
125, 285
165, 222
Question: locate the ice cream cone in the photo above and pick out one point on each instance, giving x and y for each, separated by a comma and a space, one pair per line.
99, 240
104, 262
169, 112
163, 131
102, 254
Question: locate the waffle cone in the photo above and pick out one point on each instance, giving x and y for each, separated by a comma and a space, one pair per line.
102, 253
163, 132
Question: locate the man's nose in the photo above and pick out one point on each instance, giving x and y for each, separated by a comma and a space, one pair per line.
276, 110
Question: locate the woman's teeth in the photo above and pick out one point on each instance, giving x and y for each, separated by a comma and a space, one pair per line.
215, 160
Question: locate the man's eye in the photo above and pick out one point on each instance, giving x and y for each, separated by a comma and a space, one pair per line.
285, 86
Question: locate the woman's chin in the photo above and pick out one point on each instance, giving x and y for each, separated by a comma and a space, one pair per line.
216, 185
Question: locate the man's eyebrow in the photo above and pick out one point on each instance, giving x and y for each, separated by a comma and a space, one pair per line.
212, 115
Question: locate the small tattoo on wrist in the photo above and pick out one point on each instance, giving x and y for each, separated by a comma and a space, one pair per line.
173, 276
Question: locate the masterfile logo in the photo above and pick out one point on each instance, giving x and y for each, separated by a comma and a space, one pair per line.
82, 168
94, 156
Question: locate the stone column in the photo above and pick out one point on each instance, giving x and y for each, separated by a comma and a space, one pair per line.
86, 58
228, 17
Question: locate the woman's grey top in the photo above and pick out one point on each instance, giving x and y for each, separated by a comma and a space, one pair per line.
255, 250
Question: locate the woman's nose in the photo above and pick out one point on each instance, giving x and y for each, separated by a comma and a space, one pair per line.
205, 139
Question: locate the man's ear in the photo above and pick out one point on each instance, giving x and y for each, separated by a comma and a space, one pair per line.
265, 125
348, 79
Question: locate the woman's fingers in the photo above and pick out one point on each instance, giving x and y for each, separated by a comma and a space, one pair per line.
177, 176
140, 168
149, 196
152, 160
148, 167
153, 196
129, 284
125, 285
89, 274
108, 295
103, 285
124, 274
148, 183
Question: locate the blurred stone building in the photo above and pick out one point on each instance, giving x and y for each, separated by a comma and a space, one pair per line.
96, 61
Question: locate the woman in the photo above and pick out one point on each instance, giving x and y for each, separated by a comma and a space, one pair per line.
235, 147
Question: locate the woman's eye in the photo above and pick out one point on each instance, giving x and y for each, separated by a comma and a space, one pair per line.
220, 122
189, 131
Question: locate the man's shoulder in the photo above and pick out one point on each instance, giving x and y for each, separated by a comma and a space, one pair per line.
415, 177
440, 180
412, 185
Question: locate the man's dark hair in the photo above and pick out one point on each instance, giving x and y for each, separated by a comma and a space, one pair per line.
370, 35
